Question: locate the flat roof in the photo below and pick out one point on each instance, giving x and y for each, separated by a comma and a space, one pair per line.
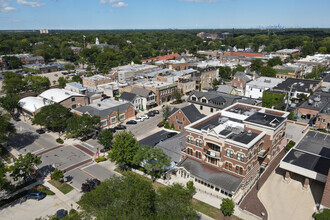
316, 143
265, 119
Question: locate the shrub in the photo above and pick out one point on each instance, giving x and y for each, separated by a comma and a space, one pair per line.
57, 175
191, 187
166, 125
323, 214
59, 140
100, 159
290, 145
227, 206
160, 124
43, 189
172, 126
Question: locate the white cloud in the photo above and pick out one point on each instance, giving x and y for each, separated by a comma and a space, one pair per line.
110, 1
5, 7
119, 5
33, 4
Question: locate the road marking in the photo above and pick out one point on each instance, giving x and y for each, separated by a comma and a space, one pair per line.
90, 174
87, 144
88, 165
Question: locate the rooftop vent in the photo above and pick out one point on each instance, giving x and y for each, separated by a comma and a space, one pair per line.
99, 104
249, 132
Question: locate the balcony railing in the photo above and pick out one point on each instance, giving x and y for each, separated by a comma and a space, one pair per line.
213, 154
263, 153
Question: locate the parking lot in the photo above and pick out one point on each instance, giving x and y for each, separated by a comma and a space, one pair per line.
154, 139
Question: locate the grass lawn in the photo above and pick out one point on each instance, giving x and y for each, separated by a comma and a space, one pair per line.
44, 189
63, 187
210, 210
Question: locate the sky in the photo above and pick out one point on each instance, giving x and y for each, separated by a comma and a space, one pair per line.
162, 14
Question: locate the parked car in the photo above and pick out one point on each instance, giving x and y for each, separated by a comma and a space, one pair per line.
145, 116
40, 131
113, 130
155, 111
36, 195
151, 114
171, 134
96, 182
55, 74
131, 122
139, 119
61, 213
16, 117
160, 124
120, 127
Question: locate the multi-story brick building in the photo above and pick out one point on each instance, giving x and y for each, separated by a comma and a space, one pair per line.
182, 117
207, 76
108, 110
226, 150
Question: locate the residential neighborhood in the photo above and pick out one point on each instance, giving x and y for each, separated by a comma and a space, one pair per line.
165, 124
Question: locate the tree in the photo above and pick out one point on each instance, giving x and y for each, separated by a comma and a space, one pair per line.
23, 166
62, 82
69, 66
76, 78
267, 71
239, 68
13, 83
256, 64
166, 112
105, 138
124, 148
323, 214
274, 61
225, 72
3, 179
37, 83
6, 128
191, 187
121, 197
88, 186
154, 160
215, 82
79, 126
177, 95
9, 102
322, 50
173, 202
308, 49
53, 117
227, 207
57, 174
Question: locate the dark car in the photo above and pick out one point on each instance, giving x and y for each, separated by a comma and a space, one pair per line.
61, 213
155, 111
120, 127
171, 134
40, 131
151, 114
113, 130
96, 182
161, 140
15, 118
131, 122
36, 195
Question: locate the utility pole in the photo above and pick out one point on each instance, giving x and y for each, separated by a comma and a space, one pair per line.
289, 96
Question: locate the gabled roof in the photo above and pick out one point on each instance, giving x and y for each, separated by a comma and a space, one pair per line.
225, 89
128, 96
104, 112
191, 112
243, 76
141, 91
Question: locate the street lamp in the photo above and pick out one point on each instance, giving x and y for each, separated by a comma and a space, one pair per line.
289, 96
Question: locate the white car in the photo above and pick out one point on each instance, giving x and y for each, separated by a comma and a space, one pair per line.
139, 119
145, 116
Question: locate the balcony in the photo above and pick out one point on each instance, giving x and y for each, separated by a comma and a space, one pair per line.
263, 153
213, 154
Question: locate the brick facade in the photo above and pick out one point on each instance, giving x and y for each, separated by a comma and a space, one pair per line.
75, 101
326, 193
179, 120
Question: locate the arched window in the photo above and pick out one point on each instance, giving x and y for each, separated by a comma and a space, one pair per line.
260, 146
198, 154
189, 151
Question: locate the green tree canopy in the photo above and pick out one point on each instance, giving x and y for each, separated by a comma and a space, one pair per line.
62, 82
227, 206
6, 128
177, 95
13, 83
79, 126
256, 65
105, 138
224, 72
274, 61
77, 78
267, 71
124, 148
3, 179
166, 112
9, 102
57, 174
54, 117
37, 83
23, 166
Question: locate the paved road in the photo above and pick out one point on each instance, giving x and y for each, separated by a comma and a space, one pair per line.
154, 138
148, 124
28, 140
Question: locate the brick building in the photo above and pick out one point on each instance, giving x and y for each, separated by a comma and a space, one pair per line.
94, 81
107, 110
227, 150
182, 117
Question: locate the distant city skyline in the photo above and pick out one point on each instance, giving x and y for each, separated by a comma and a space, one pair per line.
162, 14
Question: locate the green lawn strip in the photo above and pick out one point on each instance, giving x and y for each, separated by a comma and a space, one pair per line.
63, 187
43, 189
210, 211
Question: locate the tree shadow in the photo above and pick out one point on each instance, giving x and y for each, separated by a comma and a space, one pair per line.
317, 189
22, 140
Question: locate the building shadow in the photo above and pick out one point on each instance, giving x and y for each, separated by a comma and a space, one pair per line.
22, 140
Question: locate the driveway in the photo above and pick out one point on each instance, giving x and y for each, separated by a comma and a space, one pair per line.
289, 200
32, 209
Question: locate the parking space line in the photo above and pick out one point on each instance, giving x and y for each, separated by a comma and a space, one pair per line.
90, 174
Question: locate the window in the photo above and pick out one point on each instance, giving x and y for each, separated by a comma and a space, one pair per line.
201, 108
190, 140
229, 153
198, 154
323, 120
249, 156
179, 127
189, 151
113, 120
122, 116
73, 99
228, 166
260, 147
215, 147
193, 98
74, 106
240, 157
204, 100
198, 142
211, 110
176, 117
182, 119
104, 123
239, 170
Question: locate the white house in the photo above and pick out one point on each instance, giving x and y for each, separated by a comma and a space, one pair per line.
255, 88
